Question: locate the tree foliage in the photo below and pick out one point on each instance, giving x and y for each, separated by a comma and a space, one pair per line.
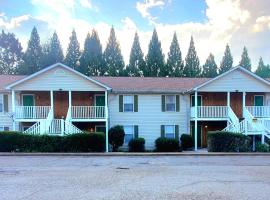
73, 52
210, 67
192, 67
113, 57
245, 60
154, 58
227, 61
10, 53
262, 69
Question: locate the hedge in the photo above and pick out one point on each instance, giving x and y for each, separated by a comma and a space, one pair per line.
219, 141
136, 145
85, 142
186, 141
167, 145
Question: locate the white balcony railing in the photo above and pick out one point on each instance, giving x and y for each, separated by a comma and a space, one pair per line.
259, 111
210, 112
88, 112
32, 112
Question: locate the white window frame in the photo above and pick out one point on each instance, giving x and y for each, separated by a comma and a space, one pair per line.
174, 103
2, 101
258, 96
169, 133
132, 128
132, 96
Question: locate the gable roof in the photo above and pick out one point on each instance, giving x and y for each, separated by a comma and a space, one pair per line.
51, 67
9, 79
150, 84
230, 71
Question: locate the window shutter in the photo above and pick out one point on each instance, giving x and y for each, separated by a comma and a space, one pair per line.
163, 103
120, 103
6, 128
135, 103
177, 132
177, 103
136, 131
5, 99
162, 131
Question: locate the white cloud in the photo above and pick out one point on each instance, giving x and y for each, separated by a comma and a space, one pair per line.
12, 23
261, 24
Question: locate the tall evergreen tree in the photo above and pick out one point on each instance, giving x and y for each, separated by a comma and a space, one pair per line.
52, 51
113, 57
192, 67
10, 53
91, 62
136, 61
262, 69
210, 67
154, 58
175, 65
33, 54
73, 52
227, 61
245, 60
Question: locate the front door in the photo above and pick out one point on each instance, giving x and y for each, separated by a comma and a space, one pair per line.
28, 100
199, 135
60, 104
199, 100
258, 100
100, 100
236, 103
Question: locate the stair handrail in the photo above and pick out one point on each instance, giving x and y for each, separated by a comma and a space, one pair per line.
232, 115
33, 130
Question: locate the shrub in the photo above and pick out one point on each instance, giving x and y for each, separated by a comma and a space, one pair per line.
186, 141
116, 137
136, 145
218, 141
261, 147
16, 141
167, 145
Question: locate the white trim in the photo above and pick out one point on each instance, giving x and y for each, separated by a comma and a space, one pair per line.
33, 95
166, 102
231, 70
95, 95
258, 96
51, 67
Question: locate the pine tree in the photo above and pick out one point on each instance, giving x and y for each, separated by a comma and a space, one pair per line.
154, 58
136, 61
10, 53
262, 69
113, 57
192, 67
227, 61
73, 52
210, 67
52, 51
175, 64
32, 56
91, 62
245, 60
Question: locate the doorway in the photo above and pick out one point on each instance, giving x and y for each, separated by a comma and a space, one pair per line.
60, 104
237, 104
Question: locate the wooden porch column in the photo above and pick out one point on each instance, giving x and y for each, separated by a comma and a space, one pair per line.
13, 109
195, 121
107, 123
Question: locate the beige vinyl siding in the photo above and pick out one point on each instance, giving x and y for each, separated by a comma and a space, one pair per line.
236, 80
149, 117
5, 120
56, 79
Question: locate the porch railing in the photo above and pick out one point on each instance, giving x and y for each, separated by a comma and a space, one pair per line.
32, 112
88, 112
210, 112
259, 111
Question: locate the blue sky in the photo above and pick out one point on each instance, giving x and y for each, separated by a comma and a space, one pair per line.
213, 23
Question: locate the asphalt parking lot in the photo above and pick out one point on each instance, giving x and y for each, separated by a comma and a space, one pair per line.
138, 177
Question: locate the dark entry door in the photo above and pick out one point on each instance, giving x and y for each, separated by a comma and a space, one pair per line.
60, 104
236, 103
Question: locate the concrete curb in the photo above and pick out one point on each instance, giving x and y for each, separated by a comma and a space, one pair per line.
137, 154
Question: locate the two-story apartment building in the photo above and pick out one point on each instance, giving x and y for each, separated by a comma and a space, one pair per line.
60, 100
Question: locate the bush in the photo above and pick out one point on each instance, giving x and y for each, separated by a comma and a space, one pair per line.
85, 142
186, 141
261, 147
116, 137
136, 145
167, 145
218, 141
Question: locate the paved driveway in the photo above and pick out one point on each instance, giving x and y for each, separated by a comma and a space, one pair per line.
161, 177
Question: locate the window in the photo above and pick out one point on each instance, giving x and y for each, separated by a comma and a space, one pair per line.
129, 133
4, 128
128, 103
169, 131
1, 103
170, 102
